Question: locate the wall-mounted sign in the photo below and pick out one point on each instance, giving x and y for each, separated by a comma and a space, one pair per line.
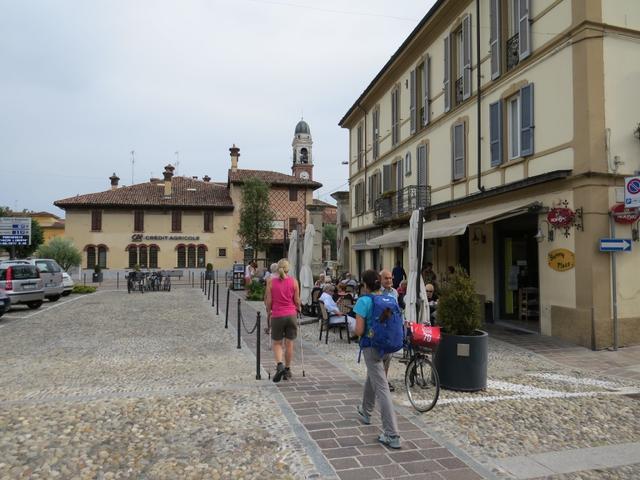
138, 237
561, 217
15, 231
632, 192
561, 259
624, 214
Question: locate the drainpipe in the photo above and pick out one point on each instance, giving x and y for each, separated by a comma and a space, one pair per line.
479, 120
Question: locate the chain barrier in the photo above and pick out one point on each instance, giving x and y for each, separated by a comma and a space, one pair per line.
255, 326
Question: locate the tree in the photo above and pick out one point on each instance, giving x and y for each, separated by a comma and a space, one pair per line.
256, 216
329, 232
62, 251
37, 236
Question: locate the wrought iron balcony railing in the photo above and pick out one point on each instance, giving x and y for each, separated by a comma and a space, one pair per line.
459, 91
513, 55
398, 205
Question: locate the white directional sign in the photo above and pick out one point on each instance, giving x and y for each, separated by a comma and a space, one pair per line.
615, 244
15, 231
632, 192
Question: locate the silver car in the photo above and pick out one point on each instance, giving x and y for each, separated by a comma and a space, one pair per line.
50, 273
22, 283
67, 283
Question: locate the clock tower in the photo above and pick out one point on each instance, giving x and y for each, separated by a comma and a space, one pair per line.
302, 161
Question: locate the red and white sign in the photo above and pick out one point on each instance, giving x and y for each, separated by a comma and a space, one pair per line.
632, 192
561, 217
625, 215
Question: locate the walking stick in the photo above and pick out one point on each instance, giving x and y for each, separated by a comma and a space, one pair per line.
301, 349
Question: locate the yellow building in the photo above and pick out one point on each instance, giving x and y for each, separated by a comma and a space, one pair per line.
52, 225
512, 122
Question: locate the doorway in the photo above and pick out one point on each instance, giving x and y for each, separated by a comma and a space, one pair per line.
516, 270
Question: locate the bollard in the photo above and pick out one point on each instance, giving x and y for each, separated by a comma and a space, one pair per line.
209, 290
239, 323
258, 346
84, 278
117, 280
213, 295
217, 299
226, 311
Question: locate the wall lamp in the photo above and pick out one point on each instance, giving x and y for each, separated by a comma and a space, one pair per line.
478, 236
540, 236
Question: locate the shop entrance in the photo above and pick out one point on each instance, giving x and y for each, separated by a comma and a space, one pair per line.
517, 280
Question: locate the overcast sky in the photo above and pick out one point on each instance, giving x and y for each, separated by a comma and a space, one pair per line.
85, 82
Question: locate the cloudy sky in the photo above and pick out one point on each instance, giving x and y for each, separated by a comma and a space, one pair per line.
84, 83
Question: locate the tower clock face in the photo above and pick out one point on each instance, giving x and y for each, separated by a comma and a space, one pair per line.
304, 175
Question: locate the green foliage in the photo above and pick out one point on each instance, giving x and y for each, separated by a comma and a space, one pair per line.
97, 268
37, 236
256, 216
83, 289
209, 267
255, 291
458, 305
62, 251
329, 232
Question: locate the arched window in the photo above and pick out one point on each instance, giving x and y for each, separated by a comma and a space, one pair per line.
102, 256
202, 256
181, 256
91, 256
191, 256
142, 255
133, 256
153, 256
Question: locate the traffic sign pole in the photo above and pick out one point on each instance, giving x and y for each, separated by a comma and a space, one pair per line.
612, 229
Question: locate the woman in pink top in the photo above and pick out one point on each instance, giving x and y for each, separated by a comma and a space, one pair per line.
282, 299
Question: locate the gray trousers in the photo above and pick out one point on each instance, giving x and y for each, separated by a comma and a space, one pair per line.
377, 386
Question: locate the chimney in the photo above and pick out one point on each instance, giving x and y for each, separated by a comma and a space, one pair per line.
168, 173
114, 181
206, 178
235, 153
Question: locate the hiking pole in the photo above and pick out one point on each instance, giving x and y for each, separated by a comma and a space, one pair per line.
301, 349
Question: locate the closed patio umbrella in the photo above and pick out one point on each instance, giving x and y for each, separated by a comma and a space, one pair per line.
292, 255
411, 297
306, 275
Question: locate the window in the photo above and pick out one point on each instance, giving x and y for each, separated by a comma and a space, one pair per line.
143, 257
421, 159
96, 220
133, 257
423, 81
293, 224
458, 151
395, 116
375, 189
153, 256
202, 256
182, 261
191, 256
359, 200
517, 36
407, 163
102, 256
376, 132
293, 194
176, 221
208, 222
222, 252
386, 178
138, 221
91, 257
513, 122
359, 149
457, 64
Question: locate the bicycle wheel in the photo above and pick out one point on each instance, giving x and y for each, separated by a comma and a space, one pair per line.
422, 383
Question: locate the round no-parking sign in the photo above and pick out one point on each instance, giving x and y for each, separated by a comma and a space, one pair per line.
632, 192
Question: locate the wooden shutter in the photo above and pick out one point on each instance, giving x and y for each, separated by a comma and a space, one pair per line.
138, 220
426, 75
458, 151
447, 74
413, 101
524, 30
526, 120
176, 221
407, 163
359, 146
376, 130
400, 174
495, 132
421, 155
494, 38
466, 57
96, 220
386, 178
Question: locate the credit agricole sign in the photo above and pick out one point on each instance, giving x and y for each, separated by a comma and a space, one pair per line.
138, 237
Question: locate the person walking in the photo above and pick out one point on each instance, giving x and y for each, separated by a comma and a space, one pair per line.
282, 299
398, 274
386, 288
376, 385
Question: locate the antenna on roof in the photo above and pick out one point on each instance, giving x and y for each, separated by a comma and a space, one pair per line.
177, 154
133, 161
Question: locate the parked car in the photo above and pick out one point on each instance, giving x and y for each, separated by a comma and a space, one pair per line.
22, 283
5, 301
50, 273
67, 283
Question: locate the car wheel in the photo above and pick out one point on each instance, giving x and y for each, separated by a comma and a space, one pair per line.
55, 298
34, 305
66, 293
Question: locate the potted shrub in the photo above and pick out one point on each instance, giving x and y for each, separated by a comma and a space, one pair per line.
462, 355
97, 274
209, 271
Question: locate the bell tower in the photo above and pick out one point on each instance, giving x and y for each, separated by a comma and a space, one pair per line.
302, 161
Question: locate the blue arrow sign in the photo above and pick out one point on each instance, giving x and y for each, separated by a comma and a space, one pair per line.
615, 244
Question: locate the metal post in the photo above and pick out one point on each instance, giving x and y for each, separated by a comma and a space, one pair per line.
226, 310
117, 280
209, 290
419, 244
217, 299
213, 296
614, 289
258, 347
84, 279
238, 323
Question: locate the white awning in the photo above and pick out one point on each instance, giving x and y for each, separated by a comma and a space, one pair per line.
453, 226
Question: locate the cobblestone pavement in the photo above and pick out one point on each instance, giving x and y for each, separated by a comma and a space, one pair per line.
137, 386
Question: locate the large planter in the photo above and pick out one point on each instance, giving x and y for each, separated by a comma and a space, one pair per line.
208, 275
96, 277
461, 361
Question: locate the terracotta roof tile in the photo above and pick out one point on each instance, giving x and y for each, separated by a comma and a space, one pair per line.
186, 192
273, 178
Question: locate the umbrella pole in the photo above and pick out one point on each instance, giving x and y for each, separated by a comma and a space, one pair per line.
419, 244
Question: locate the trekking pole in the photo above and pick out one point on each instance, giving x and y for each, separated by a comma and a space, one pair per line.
301, 349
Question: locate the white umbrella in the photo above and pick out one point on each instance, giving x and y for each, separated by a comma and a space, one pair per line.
414, 272
293, 253
306, 275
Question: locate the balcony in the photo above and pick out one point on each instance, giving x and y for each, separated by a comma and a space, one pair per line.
397, 206
513, 55
459, 90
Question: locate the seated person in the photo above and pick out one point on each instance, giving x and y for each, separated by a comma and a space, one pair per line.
348, 281
433, 301
321, 281
402, 291
335, 315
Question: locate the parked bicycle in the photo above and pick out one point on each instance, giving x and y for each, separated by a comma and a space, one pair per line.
421, 377
136, 281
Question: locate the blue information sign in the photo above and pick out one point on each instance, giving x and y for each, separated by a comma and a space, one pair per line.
615, 244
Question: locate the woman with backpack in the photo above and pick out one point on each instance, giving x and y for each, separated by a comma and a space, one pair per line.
371, 312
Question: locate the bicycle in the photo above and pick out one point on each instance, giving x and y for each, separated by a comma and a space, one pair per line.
421, 377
